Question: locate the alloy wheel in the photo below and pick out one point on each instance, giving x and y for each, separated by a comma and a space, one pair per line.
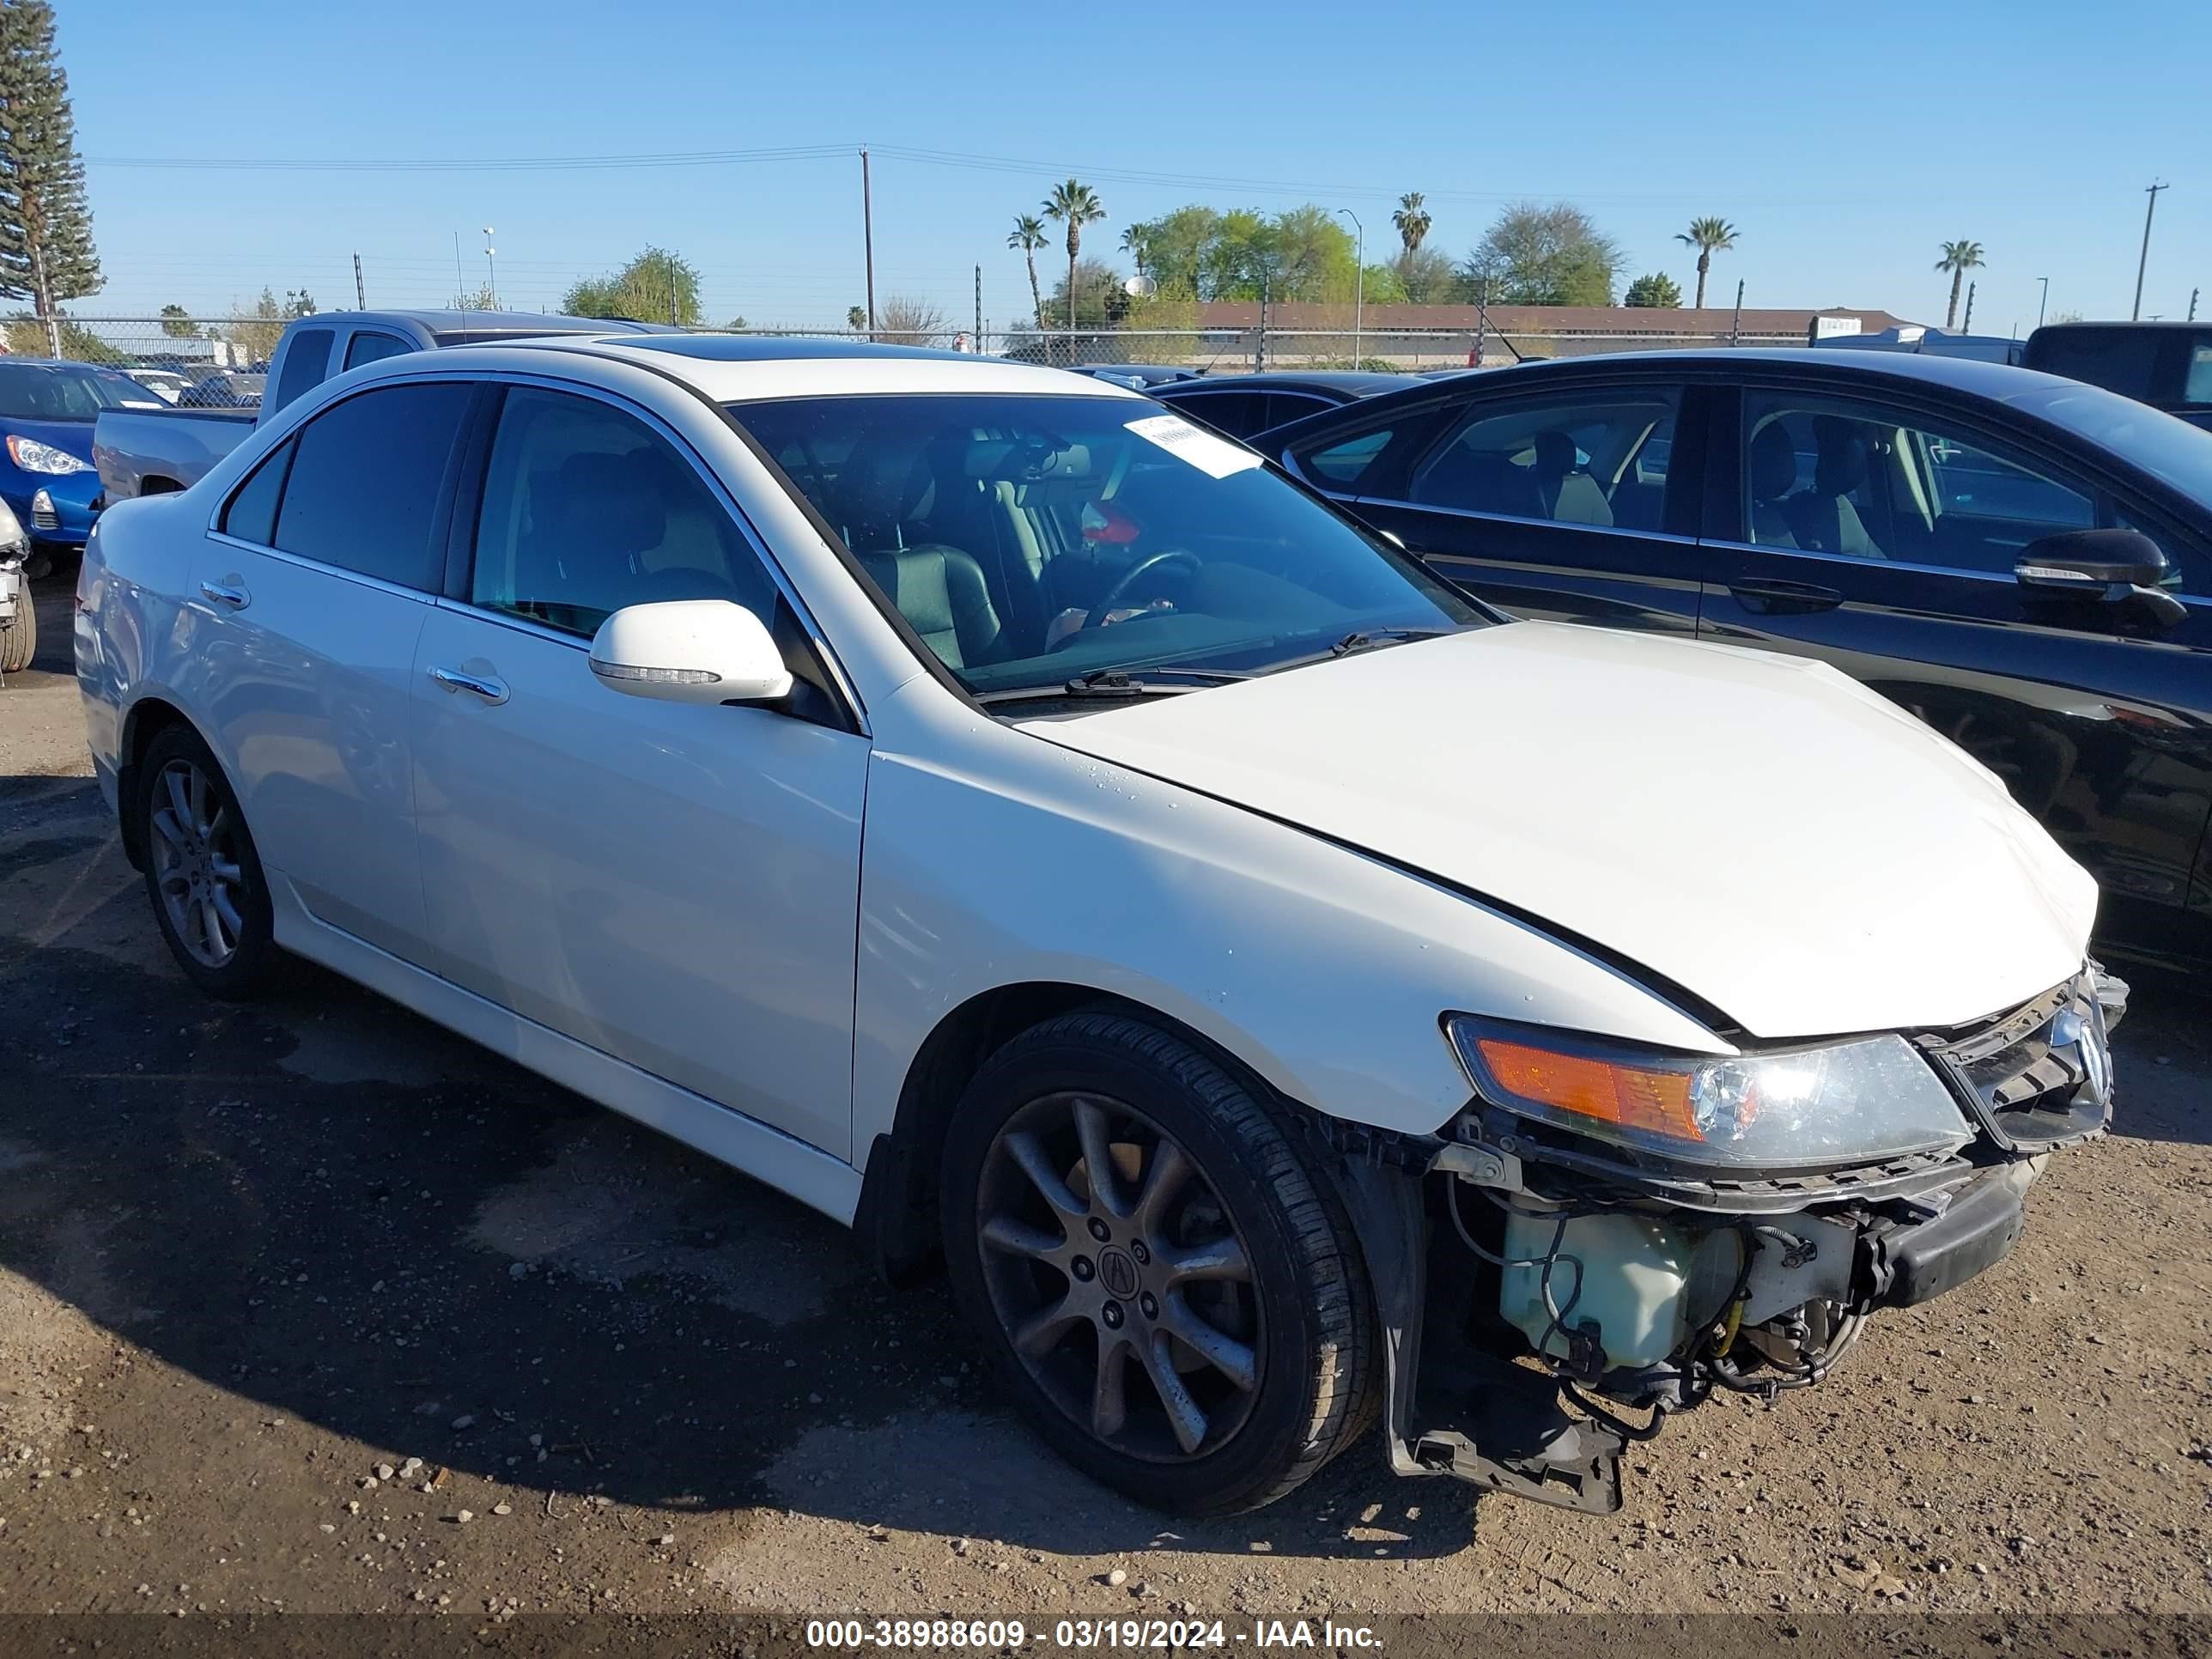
1122, 1285
196, 863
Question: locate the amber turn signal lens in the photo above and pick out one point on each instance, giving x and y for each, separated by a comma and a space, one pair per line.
1628, 1095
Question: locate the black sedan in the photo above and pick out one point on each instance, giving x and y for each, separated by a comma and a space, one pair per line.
2023, 561
1239, 406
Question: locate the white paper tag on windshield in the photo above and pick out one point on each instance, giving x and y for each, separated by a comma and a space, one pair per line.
1215, 457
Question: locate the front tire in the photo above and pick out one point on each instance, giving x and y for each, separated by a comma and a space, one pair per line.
210, 898
19, 640
1193, 1329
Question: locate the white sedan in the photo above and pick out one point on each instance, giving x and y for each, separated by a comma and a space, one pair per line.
1031, 829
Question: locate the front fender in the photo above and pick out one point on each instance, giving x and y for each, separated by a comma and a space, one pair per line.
1002, 860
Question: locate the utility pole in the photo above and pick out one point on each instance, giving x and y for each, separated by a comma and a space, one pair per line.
491, 271
460, 283
1359, 284
1735, 329
2143, 262
360, 294
1967, 327
868, 238
979, 311
2042, 300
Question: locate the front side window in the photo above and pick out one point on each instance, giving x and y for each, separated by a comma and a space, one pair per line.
586, 510
1029, 540
1579, 460
307, 362
1853, 479
362, 492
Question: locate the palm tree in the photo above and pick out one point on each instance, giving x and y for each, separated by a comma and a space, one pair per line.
1959, 258
1074, 204
1137, 243
1412, 220
1027, 234
1709, 237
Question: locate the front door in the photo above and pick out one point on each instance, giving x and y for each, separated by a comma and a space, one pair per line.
1554, 506
673, 885
1883, 539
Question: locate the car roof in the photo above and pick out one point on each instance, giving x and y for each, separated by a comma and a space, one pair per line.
1360, 383
728, 368
455, 326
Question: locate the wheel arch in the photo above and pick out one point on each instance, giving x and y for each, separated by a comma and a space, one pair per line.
145, 721
896, 1218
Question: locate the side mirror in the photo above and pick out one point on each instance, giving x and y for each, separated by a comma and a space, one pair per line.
2077, 560
705, 651
2103, 567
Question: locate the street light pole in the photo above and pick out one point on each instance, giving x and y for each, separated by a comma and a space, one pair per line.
2144, 261
491, 271
2042, 300
1359, 282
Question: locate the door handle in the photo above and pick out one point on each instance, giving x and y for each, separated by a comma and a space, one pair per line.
491, 691
230, 591
1780, 599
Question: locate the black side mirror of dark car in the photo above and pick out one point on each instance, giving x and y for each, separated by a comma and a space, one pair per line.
2103, 567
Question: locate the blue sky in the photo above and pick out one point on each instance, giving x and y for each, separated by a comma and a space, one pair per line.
1844, 144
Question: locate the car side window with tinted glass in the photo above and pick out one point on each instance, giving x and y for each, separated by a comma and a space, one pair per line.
1582, 460
586, 509
1859, 480
1341, 465
307, 363
366, 347
251, 513
362, 493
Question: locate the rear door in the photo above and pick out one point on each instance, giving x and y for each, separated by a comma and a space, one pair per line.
312, 589
1565, 503
1880, 534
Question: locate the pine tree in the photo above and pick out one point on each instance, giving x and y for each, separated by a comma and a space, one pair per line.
46, 254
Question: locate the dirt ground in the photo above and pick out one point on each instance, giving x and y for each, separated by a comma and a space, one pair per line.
314, 1307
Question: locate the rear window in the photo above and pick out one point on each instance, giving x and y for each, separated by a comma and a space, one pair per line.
2122, 360
307, 362
365, 480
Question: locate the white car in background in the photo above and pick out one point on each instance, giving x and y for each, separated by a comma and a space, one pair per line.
1020, 824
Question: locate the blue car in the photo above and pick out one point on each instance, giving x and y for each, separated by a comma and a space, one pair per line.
47, 478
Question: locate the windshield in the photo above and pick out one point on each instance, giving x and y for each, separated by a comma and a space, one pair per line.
2162, 444
33, 393
1031, 540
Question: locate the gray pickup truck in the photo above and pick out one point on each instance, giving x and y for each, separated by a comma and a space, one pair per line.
150, 452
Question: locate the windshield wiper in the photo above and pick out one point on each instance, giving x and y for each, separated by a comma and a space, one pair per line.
1367, 639
1161, 682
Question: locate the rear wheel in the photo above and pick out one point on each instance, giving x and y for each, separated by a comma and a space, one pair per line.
1168, 1291
202, 872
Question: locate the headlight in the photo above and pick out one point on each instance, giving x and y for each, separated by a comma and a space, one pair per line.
1846, 1102
35, 456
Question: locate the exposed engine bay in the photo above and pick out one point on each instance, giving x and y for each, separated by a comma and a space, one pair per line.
1546, 1299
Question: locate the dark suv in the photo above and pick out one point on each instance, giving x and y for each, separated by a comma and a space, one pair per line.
2165, 365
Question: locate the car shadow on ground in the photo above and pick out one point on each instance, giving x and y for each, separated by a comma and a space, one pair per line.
2161, 1055
341, 1211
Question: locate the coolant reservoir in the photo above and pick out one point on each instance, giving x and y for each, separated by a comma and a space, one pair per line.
1643, 1280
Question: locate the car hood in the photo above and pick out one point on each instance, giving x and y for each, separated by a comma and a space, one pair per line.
1759, 829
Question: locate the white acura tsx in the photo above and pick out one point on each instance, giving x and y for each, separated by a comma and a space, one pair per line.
1037, 832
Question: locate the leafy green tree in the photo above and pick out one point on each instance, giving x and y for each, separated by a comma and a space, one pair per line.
1384, 286
1100, 302
1175, 248
46, 254
1424, 274
481, 299
177, 323
298, 303
1709, 237
1657, 289
256, 332
1959, 258
1074, 204
1412, 220
25, 336
1027, 234
656, 286
1539, 254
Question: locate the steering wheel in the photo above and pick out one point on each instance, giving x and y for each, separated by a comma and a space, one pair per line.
1127, 581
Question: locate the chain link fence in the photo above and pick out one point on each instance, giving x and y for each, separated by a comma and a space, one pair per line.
215, 361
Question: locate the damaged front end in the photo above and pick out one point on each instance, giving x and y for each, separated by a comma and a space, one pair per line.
1597, 1231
